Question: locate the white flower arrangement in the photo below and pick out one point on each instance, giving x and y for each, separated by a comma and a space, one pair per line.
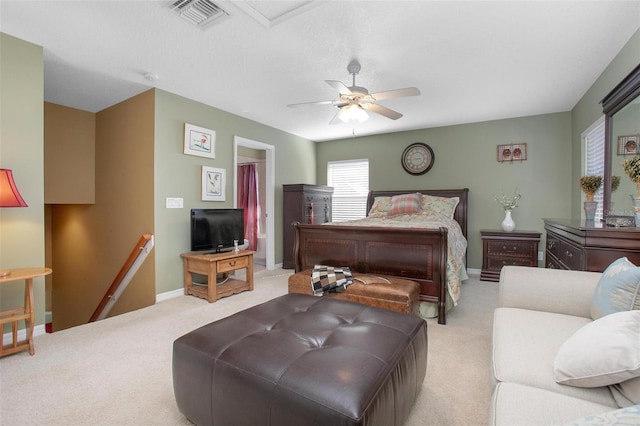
508, 203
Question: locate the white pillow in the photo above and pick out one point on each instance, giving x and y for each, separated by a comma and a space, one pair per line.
602, 353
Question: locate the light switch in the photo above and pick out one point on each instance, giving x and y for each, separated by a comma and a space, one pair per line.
174, 203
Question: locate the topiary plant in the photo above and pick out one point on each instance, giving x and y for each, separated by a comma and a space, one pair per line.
631, 167
615, 183
590, 185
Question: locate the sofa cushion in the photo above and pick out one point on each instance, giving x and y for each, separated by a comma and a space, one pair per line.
602, 353
626, 393
517, 404
618, 289
624, 416
525, 344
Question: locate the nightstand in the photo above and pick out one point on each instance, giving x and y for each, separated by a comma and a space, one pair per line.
501, 248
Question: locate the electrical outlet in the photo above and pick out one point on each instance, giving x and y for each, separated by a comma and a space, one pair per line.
174, 203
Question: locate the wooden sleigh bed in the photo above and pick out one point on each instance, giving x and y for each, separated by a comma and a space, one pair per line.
416, 254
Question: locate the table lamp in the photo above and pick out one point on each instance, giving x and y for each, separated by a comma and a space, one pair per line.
9, 197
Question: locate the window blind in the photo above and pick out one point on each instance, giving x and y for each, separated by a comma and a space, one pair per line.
350, 182
594, 159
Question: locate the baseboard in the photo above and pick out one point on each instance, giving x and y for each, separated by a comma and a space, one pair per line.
169, 294
473, 271
22, 334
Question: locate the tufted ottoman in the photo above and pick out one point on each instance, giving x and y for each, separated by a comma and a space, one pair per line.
302, 360
399, 294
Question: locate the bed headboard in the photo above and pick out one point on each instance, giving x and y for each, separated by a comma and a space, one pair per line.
460, 215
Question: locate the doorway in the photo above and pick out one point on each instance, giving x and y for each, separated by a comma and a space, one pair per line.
267, 211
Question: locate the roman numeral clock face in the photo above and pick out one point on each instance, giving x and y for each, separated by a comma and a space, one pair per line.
417, 158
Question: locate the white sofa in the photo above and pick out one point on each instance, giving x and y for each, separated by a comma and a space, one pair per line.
538, 310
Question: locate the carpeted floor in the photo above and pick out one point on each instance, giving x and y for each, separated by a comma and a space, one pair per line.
118, 371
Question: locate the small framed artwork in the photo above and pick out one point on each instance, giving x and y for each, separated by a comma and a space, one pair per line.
199, 141
213, 183
628, 145
512, 152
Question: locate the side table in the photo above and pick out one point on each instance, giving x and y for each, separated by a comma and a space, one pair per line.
25, 313
212, 264
501, 248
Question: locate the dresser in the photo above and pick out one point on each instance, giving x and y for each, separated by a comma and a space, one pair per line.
303, 204
500, 248
588, 246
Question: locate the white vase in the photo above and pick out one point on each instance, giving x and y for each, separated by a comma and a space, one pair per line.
508, 224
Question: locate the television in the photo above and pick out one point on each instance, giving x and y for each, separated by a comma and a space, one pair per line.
216, 230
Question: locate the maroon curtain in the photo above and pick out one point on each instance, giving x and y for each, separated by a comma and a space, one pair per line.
248, 200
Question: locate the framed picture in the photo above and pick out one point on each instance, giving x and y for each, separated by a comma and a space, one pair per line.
199, 141
213, 183
512, 152
628, 145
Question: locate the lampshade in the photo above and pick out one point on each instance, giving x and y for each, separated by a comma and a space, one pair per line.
9, 194
353, 112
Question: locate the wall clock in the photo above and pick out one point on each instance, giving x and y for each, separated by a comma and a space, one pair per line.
417, 158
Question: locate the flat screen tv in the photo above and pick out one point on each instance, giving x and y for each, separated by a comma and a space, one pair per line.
215, 230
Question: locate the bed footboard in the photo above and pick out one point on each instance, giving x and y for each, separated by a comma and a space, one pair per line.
416, 254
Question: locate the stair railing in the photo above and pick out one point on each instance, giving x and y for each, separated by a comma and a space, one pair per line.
124, 277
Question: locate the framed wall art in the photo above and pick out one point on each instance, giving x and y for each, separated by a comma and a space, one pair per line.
213, 184
199, 141
628, 145
512, 152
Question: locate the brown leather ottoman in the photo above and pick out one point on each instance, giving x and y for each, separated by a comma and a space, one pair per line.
302, 360
399, 295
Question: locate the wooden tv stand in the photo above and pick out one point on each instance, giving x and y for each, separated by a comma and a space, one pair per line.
212, 264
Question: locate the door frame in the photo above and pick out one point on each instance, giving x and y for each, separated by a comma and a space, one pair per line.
270, 190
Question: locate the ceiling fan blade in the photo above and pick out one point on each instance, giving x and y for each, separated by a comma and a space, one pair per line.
336, 118
315, 103
339, 86
379, 109
398, 93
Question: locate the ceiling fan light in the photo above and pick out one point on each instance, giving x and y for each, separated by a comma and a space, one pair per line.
353, 112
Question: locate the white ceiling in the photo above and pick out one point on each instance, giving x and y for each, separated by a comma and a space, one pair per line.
472, 60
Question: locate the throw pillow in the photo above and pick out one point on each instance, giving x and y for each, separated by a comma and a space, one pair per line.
405, 204
442, 205
618, 289
381, 207
602, 353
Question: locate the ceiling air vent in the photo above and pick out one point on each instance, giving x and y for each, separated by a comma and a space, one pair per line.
200, 13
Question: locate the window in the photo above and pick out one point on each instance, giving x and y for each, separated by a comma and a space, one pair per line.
593, 142
350, 182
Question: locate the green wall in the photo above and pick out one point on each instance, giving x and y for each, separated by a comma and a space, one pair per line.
588, 109
179, 175
21, 150
465, 157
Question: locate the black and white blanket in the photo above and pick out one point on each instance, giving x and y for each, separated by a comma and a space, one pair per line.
328, 279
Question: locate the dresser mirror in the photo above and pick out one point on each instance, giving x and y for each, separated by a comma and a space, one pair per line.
622, 140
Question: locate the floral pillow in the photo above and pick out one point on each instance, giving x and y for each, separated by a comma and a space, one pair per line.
381, 207
442, 205
405, 204
618, 289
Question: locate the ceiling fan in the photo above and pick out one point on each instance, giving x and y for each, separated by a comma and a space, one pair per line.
355, 101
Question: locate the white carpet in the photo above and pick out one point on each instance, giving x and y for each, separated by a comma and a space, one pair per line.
118, 371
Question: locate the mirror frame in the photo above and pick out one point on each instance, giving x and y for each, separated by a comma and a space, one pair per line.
621, 95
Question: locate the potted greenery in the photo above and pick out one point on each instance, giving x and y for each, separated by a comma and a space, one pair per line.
590, 185
508, 203
615, 183
631, 167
